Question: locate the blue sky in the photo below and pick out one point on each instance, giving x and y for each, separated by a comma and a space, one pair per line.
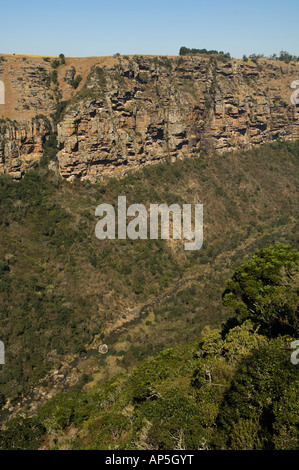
94, 27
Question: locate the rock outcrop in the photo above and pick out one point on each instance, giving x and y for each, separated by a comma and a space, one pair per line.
136, 111
21, 146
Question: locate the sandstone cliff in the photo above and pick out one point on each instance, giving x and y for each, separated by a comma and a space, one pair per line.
131, 111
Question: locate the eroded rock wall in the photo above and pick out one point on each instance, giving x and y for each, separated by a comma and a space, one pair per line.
21, 146
129, 112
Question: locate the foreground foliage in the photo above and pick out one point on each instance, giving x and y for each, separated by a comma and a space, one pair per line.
233, 388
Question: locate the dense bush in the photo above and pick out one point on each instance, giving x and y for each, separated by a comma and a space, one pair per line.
265, 290
186, 51
233, 388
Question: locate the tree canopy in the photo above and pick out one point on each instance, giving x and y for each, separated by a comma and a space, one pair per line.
265, 289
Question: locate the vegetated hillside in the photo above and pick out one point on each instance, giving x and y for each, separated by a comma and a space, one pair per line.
235, 387
64, 291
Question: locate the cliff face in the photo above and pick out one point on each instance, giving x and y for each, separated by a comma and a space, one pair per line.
128, 112
21, 146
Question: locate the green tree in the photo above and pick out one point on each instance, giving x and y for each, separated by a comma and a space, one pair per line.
22, 434
62, 58
184, 50
262, 397
265, 289
286, 423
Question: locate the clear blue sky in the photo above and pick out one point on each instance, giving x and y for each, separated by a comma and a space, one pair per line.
94, 27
